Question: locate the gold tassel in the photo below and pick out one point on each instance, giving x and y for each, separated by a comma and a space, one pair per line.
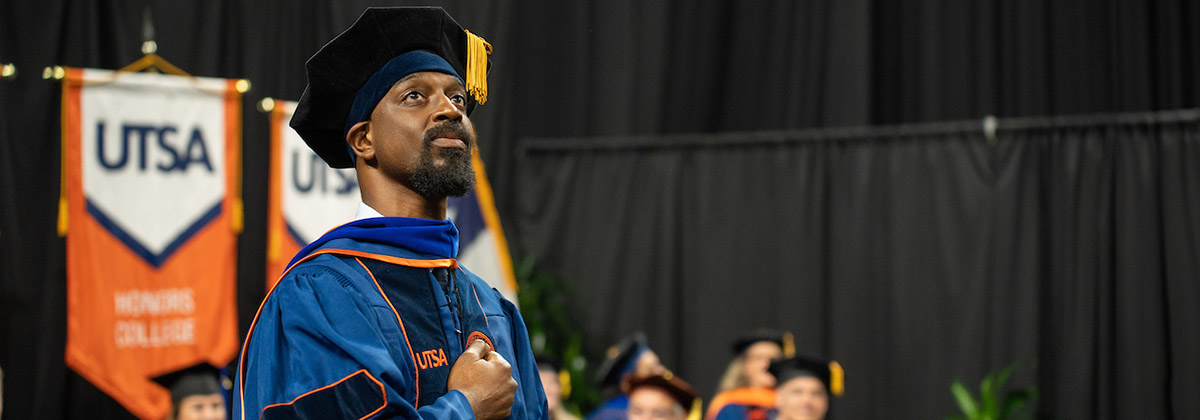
789, 345
274, 242
235, 220
62, 217
694, 413
564, 383
62, 168
477, 59
837, 378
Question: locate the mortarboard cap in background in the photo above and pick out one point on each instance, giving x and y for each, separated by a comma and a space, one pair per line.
828, 372
619, 359
547, 362
199, 379
679, 390
350, 74
783, 339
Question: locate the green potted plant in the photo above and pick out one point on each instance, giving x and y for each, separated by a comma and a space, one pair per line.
991, 404
552, 331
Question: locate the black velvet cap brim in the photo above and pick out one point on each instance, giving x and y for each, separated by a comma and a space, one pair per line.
787, 369
611, 369
742, 343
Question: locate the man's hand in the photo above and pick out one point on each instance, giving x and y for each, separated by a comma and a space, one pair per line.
485, 378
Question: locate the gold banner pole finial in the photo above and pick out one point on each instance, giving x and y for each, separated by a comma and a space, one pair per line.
148, 44
266, 105
8, 71
54, 72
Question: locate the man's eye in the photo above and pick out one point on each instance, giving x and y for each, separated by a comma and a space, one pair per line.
414, 95
459, 99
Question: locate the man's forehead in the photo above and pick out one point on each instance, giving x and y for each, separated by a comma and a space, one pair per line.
430, 76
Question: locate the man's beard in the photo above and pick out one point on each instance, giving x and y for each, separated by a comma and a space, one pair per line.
453, 179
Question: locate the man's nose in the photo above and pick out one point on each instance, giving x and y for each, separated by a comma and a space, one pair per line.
446, 111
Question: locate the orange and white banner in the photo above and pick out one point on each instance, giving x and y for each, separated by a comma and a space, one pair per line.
150, 210
307, 197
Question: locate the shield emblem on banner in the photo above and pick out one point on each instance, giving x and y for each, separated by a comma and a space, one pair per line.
153, 170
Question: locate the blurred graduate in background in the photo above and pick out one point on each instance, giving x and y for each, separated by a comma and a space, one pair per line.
629, 357
196, 393
747, 390
661, 397
804, 386
557, 385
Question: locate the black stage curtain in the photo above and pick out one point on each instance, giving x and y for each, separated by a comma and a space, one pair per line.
914, 255
597, 68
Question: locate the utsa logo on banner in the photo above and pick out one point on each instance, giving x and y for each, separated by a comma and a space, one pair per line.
149, 211
307, 197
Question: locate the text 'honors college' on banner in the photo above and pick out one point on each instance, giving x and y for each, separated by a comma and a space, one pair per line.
308, 198
151, 213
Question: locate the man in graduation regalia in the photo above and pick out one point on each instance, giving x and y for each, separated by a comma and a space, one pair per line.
661, 396
631, 356
196, 393
376, 319
803, 387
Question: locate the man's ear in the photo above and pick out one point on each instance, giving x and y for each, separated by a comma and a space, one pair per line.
359, 139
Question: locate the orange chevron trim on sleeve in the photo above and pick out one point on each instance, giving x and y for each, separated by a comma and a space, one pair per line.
382, 391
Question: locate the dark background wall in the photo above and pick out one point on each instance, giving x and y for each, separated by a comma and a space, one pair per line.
654, 157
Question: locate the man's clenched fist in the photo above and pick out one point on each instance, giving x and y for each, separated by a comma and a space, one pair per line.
485, 378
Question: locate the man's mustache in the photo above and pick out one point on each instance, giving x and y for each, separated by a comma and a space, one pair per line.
450, 129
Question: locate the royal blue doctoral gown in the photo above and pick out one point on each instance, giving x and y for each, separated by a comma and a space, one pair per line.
367, 322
